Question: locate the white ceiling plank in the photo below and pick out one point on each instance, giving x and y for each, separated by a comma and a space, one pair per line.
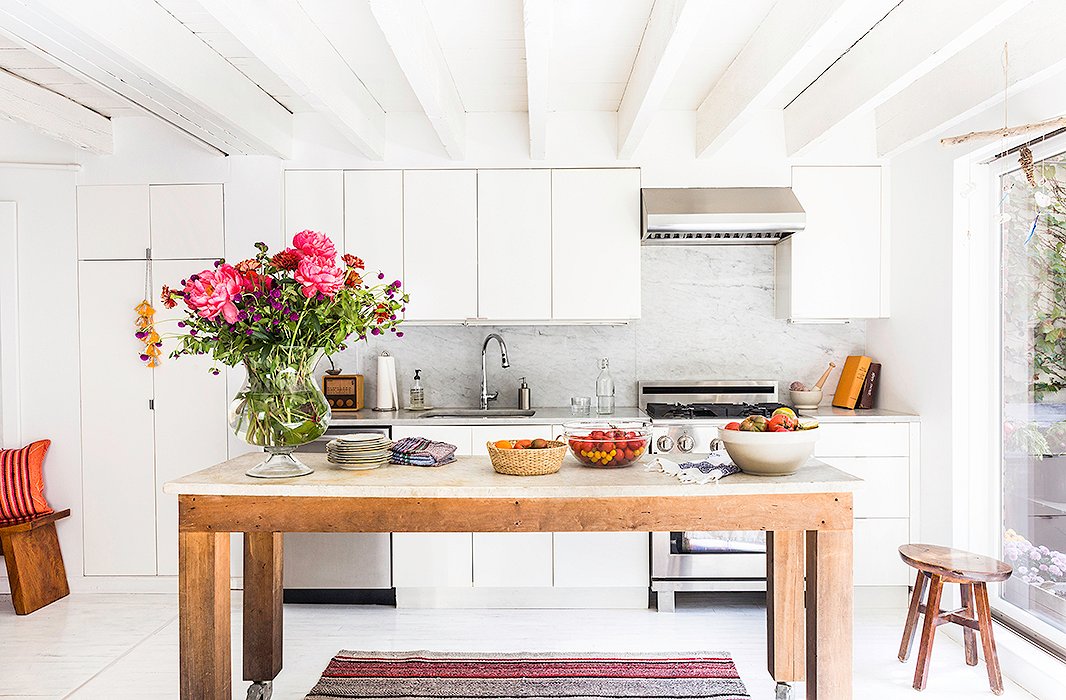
790, 37
409, 33
281, 35
54, 115
880, 64
140, 51
538, 20
673, 26
972, 80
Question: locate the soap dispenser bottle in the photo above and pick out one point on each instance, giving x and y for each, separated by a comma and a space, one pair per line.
524, 400
418, 394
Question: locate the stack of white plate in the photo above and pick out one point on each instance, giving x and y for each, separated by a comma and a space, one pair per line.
359, 451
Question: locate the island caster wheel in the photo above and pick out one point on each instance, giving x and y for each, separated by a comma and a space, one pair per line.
783, 691
260, 690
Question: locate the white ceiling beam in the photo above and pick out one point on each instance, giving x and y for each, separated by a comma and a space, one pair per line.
912, 40
787, 46
54, 115
409, 33
671, 29
972, 81
141, 52
538, 18
281, 35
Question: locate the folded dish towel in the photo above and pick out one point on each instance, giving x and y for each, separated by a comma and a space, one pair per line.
422, 452
715, 467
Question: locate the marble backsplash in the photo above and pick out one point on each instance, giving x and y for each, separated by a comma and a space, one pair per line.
707, 314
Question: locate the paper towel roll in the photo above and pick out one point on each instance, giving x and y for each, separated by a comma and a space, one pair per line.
387, 393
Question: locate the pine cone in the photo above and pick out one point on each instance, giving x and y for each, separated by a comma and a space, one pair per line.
1025, 159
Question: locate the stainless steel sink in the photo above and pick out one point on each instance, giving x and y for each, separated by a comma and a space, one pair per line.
478, 413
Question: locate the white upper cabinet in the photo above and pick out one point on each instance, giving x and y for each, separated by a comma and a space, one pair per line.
835, 267
314, 199
596, 244
113, 222
440, 244
514, 244
187, 221
373, 220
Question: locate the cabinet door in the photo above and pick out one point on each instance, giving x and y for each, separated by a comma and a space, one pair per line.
834, 265
514, 244
373, 220
440, 244
187, 222
885, 488
596, 244
428, 559
113, 222
314, 199
601, 559
513, 559
190, 402
863, 440
118, 449
482, 434
877, 561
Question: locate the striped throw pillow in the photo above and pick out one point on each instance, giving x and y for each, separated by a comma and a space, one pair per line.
22, 482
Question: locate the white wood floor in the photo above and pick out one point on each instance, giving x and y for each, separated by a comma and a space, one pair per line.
126, 646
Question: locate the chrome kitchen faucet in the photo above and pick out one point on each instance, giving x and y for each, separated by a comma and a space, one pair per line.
485, 395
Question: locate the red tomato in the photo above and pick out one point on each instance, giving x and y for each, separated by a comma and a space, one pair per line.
607, 446
732, 426
779, 429
781, 420
629, 454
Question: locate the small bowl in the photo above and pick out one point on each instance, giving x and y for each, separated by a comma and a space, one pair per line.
806, 400
769, 454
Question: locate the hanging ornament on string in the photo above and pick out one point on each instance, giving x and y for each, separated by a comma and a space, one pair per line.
145, 323
1025, 159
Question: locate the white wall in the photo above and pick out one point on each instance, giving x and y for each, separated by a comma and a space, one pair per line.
48, 322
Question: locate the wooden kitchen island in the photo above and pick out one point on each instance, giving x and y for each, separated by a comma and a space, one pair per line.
807, 517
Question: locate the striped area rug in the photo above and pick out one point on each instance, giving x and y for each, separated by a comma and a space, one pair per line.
427, 675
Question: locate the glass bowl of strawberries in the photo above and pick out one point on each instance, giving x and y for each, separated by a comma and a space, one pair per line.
607, 444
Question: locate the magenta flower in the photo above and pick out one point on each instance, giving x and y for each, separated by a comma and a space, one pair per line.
318, 276
212, 292
315, 245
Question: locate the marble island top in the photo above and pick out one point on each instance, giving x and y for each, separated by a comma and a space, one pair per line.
473, 477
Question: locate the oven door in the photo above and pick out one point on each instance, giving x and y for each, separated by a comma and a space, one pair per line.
707, 555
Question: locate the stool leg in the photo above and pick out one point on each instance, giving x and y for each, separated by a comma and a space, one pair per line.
969, 637
925, 651
984, 621
912, 617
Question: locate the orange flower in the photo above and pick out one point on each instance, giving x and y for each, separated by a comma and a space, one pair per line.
352, 261
353, 279
287, 259
168, 297
246, 266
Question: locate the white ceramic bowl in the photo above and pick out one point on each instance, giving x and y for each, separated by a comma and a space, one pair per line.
806, 399
769, 454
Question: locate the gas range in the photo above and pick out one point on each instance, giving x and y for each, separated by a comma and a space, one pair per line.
685, 415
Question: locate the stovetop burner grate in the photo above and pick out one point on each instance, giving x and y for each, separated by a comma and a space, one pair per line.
711, 410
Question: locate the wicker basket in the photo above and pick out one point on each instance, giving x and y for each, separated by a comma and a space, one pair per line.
546, 460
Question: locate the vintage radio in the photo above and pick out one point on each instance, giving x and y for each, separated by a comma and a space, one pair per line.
343, 391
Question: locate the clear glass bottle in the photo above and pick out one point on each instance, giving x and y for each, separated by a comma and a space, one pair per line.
604, 389
418, 394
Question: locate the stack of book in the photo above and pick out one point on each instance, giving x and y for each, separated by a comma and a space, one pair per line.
857, 387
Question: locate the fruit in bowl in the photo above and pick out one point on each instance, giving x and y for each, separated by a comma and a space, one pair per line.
537, 444
607, 444
775, 446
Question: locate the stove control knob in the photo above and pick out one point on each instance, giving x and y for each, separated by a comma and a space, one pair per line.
665, 443
685, 443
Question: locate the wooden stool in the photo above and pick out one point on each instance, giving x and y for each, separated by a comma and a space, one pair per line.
937, 566
34, 562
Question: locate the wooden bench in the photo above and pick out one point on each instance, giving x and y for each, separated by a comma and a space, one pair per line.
34, 563
939, 565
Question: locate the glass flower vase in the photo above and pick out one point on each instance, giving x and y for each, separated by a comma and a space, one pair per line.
279, 408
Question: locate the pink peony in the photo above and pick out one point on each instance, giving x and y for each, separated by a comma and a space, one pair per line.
314, 244
319, 276
213, 291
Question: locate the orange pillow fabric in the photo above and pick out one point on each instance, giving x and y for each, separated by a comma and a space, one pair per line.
22, 482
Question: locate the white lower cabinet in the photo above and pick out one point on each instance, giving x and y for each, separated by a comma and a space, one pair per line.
601, 559
512, 559
877, 542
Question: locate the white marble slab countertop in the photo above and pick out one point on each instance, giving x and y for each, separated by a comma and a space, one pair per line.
473, 477
552, 415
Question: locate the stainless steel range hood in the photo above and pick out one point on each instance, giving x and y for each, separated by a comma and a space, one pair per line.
711, 215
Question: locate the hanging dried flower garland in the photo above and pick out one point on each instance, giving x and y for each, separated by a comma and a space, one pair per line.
145, 324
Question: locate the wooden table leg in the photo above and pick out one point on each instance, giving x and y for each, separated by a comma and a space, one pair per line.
262, 605
203, 615
784, 605
912, 616
829, 614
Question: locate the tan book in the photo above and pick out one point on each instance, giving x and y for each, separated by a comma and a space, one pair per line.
849, 388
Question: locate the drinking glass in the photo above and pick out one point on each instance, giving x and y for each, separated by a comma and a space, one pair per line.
580, 405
